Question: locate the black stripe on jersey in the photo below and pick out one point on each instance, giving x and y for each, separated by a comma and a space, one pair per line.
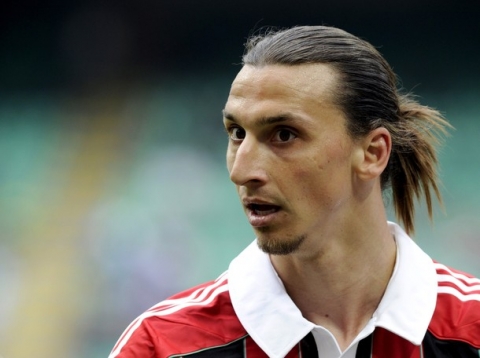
235, 349
364, 349
308, 347
438, 348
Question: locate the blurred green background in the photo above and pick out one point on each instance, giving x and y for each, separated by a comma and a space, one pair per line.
113, 187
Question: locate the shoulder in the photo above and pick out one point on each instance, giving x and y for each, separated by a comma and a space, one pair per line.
193, 306
457, 313
191, 320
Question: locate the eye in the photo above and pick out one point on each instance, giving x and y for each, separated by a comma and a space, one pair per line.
284, 135
236, 133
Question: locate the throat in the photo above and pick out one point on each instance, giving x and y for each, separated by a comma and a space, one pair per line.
344, 297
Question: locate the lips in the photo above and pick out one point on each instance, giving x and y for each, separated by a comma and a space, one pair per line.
261, 213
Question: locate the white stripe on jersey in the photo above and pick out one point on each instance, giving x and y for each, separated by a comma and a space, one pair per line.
465, 288
466, 279
170, 306
461, 286
458, 294
204, 292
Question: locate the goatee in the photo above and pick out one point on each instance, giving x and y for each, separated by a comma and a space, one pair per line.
280, 247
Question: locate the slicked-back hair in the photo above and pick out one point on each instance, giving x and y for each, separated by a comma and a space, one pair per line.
368, 95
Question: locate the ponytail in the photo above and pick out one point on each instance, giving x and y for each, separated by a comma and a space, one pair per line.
413, 163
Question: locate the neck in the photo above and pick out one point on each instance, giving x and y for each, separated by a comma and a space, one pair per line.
340, 285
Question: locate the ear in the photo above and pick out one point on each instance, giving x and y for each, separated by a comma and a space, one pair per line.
373, 154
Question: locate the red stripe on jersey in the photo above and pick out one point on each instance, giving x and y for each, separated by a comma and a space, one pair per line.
252, 350
388, 344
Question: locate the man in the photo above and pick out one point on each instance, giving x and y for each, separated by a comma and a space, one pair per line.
317, 133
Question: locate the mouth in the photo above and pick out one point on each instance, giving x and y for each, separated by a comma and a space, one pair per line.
261, 214
262, 209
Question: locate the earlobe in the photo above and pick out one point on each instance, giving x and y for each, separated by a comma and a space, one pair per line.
373, 154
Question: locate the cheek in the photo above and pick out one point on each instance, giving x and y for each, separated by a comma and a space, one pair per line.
307, 180
323, 171
336, 155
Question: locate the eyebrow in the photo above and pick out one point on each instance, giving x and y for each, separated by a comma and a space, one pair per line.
265, 121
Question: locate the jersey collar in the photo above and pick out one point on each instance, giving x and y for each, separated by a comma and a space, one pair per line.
277, 325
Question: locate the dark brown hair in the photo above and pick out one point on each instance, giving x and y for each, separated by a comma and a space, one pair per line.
370, 99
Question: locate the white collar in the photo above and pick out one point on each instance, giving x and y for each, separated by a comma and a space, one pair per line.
277, 325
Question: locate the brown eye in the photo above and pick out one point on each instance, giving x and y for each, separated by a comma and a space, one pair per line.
284, 135
237, 133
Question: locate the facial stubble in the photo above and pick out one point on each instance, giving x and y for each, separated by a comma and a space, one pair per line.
280, 246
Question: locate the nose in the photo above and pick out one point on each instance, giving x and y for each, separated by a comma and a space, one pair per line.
247, 163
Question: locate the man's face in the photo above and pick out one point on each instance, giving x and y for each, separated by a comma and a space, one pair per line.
289, 153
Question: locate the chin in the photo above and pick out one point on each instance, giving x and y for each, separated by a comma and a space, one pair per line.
277, 246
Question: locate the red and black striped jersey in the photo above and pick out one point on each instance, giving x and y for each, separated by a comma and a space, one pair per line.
428, 310
201, 322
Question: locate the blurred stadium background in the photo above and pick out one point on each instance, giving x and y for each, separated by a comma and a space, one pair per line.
113, 187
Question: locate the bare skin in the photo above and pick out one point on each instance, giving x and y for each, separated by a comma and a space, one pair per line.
340, 286
311, 192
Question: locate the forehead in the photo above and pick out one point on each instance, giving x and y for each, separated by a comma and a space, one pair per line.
292, 86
